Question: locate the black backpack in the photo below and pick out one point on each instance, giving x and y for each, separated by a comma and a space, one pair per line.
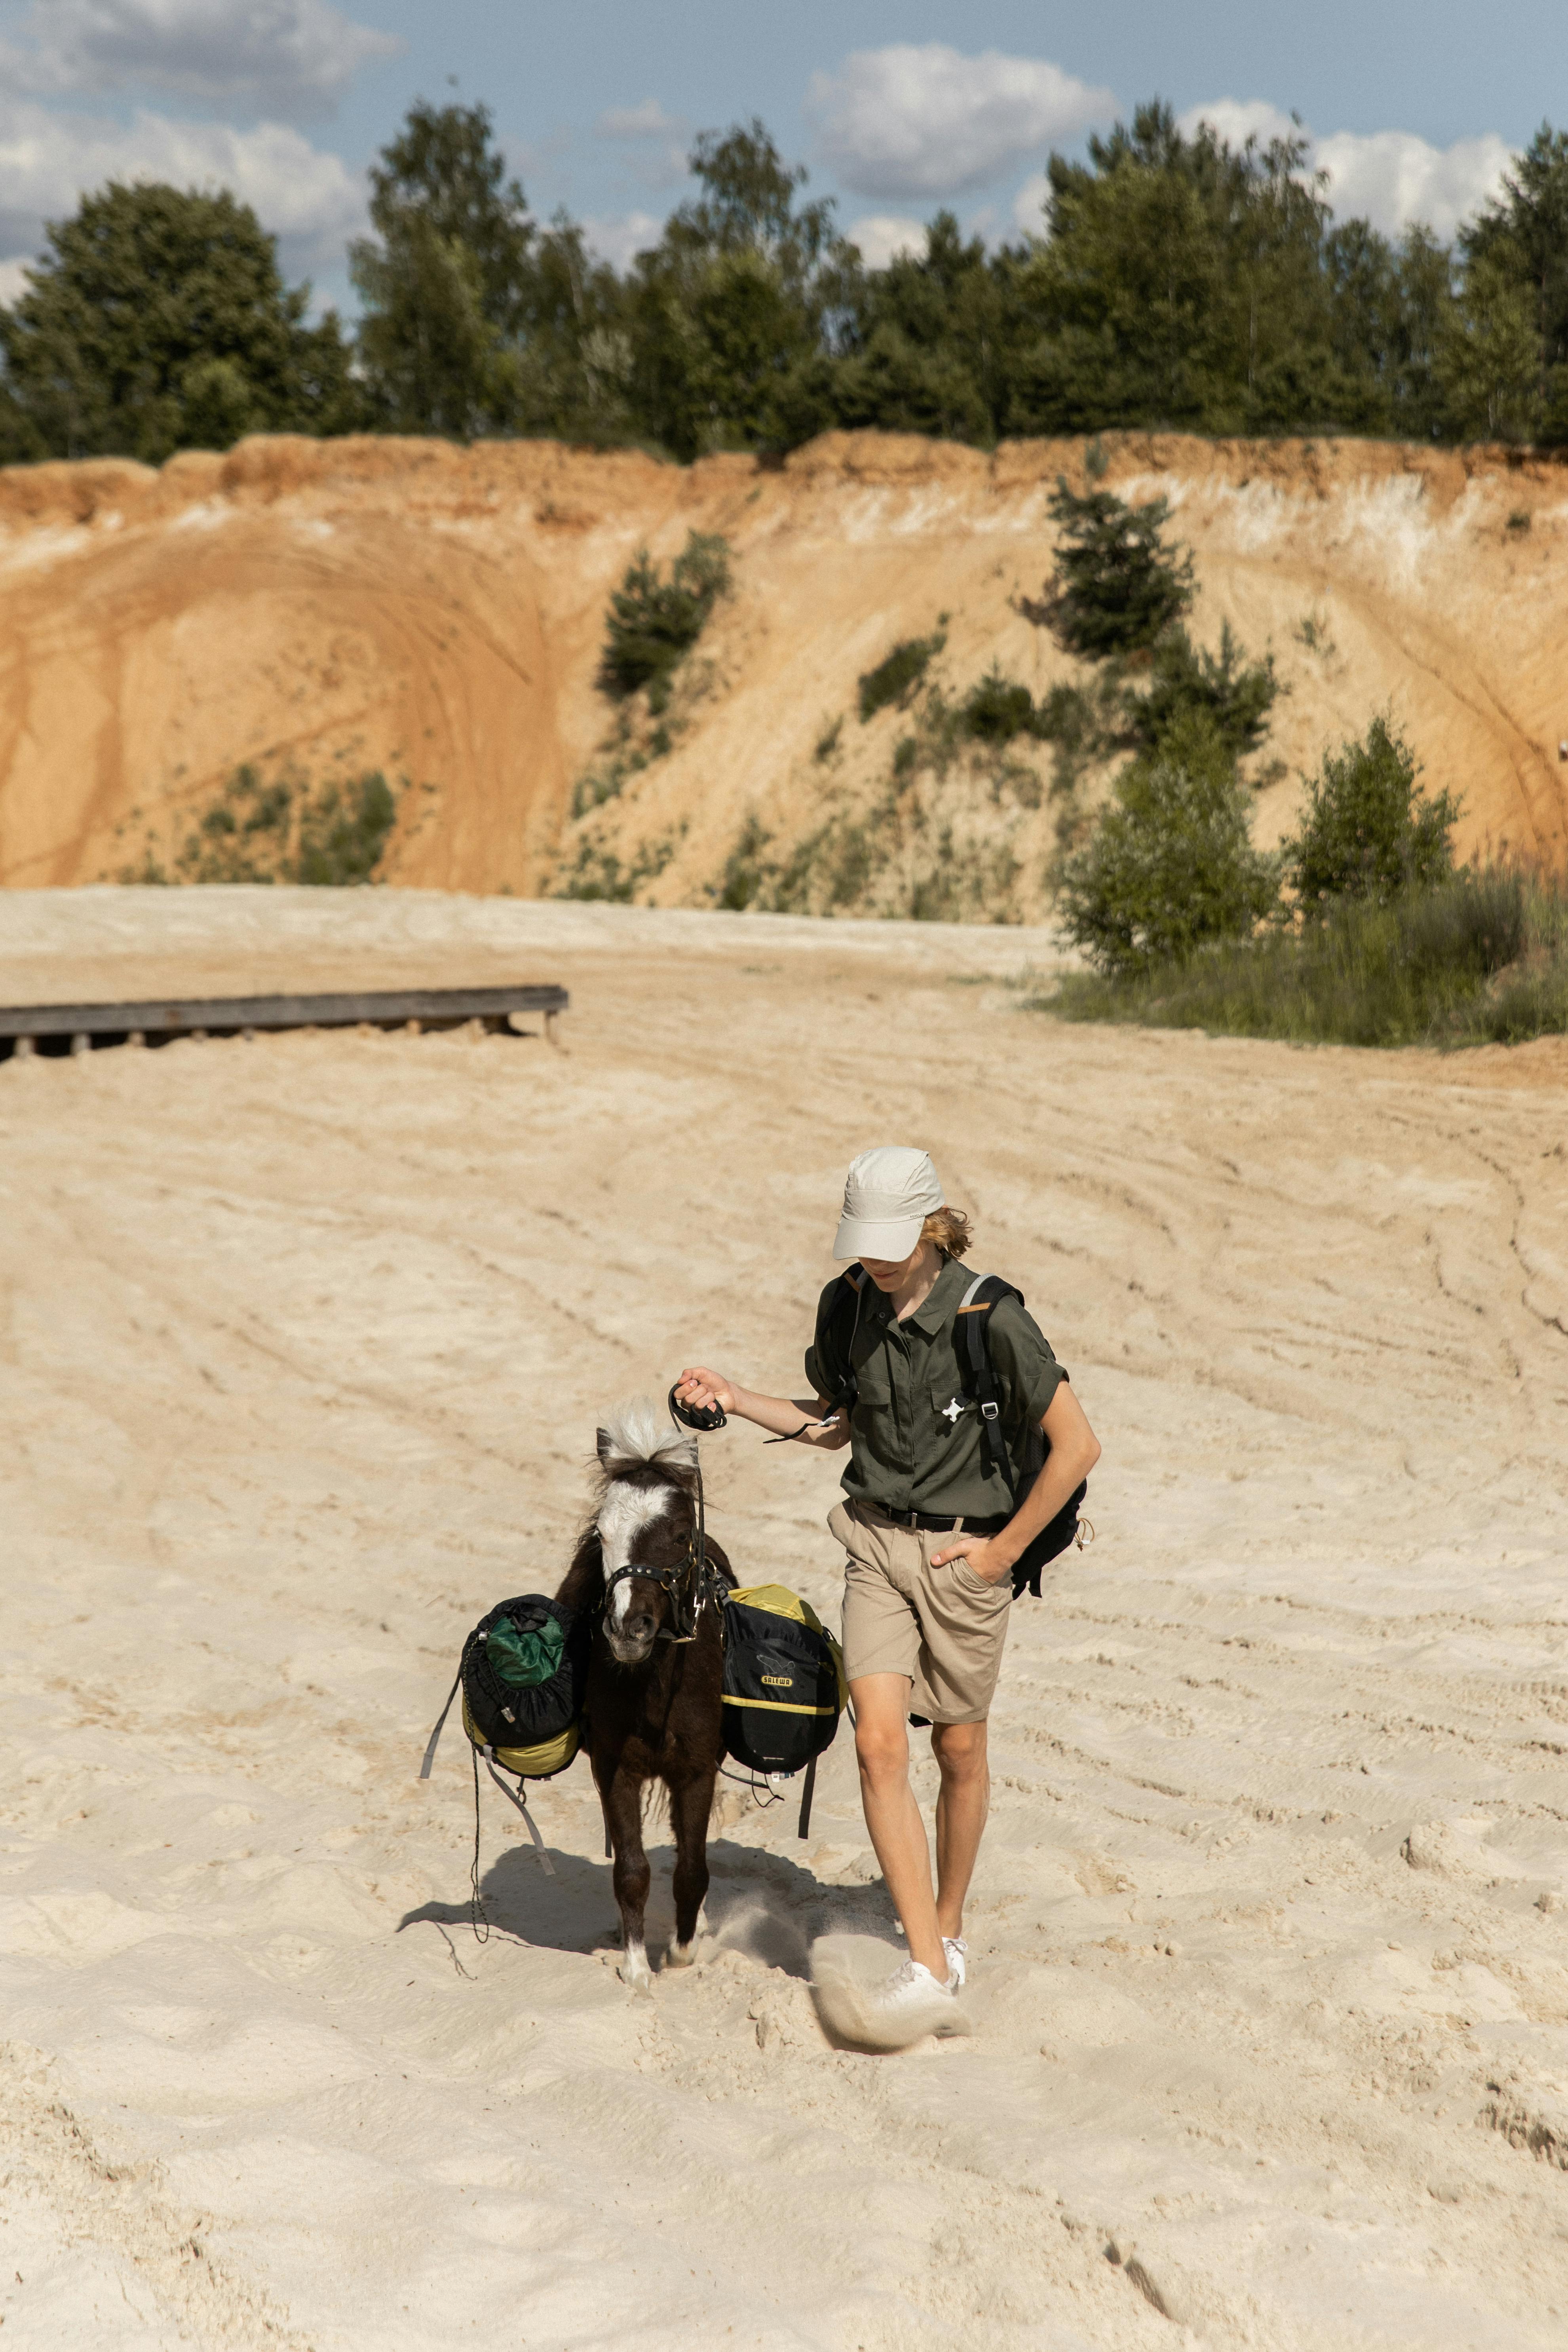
974, 1316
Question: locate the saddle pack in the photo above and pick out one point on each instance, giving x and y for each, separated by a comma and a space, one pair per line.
971, 1323
523, 1674
784, 1684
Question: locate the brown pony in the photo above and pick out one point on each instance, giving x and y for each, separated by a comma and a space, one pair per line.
653, 1710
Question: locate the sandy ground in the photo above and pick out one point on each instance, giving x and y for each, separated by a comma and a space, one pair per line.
302, 1346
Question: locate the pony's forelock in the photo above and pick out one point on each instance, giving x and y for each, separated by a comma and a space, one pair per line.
640, 1433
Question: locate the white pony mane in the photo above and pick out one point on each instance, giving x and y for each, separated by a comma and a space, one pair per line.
641, 1432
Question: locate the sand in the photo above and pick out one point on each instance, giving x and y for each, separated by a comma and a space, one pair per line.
303, 1347
321, 608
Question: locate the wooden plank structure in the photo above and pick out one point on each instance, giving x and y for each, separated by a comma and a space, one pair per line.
78, 1028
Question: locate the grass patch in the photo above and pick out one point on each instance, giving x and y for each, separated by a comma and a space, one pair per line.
282, 828
599, 873
1481, 958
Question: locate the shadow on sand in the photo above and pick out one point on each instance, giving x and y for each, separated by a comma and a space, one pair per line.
759, 1902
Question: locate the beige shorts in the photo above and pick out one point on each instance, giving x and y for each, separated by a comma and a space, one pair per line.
943, 1627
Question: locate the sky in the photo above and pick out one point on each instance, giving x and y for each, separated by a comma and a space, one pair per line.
897, 106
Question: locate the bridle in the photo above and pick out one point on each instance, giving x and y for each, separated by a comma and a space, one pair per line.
689, 1588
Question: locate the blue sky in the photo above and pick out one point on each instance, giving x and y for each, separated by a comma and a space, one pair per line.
1413, 107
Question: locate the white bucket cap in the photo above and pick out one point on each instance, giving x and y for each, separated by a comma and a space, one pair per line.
887, 1196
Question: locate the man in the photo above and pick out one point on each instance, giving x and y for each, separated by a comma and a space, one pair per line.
931, 1537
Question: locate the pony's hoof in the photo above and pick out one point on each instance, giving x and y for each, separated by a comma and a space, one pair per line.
634, 1970
680, 1956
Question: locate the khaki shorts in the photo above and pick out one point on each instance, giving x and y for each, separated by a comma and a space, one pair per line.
943, 1627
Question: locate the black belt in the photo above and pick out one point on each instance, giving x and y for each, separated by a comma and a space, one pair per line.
929, 1526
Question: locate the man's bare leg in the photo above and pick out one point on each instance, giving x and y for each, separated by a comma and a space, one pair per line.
961, 1812
881, 1704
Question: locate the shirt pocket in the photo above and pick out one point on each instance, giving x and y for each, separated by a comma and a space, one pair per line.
954, 1429
872, 1419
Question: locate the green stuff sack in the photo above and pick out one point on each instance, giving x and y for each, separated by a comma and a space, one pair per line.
525, 1661
784, 1680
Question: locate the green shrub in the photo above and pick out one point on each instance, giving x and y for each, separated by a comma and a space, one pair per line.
599, 874
965, 885
1368, 832
1531, 1003
283, 829
343, 830
996, 709
1117, 586
1467, 927
654, 623
744, 872
1171, 864
1416, 970
1238, 695
896, 677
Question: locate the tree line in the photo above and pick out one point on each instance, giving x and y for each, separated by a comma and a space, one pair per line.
1177, 282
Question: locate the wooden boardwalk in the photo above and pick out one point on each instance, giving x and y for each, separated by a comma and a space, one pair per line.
78, 1028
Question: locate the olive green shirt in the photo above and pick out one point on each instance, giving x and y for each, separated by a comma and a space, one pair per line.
915, 1429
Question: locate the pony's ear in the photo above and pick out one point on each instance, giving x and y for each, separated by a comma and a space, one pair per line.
604, 1446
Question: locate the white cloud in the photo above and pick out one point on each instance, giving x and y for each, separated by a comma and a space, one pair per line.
619, 241
881, 237
1395, 178
48, 161
1029, 205
928, 122
647, 120
13, 283
1390, 177
293, 56
1238, 120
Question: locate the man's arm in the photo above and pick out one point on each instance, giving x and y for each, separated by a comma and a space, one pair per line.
1075, 1450
779, 1415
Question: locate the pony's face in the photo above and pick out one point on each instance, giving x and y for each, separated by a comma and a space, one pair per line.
643, 1523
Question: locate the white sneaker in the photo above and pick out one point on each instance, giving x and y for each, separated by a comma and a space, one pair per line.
910, 2004
957, 1954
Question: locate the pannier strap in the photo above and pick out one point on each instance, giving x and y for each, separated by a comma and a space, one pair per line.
440, 1725
545, 1861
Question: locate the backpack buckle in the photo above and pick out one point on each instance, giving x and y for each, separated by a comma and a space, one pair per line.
991, 1411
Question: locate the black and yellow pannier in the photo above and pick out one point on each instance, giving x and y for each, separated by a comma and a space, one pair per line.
523, 1676
784, 1684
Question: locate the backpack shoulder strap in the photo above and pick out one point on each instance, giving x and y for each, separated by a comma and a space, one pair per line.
973, 1318
845, 1310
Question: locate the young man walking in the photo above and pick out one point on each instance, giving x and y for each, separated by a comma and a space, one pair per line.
930, 1529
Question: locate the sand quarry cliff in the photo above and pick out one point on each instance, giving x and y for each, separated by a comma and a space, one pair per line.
438, 612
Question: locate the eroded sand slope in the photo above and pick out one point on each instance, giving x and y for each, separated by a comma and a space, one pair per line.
438, 612
300, 1348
